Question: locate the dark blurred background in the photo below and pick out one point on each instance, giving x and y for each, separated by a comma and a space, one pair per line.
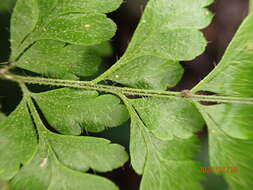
228, 16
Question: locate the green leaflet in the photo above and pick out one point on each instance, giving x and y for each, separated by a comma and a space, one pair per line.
155, 142
167, 33
76, 61
230, 125
80, 29
69, 110
163, 117
17, 141
61, 31
96, 153
143, 74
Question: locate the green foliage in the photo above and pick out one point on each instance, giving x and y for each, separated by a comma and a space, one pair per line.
41, 141
167, 33
69, 109
76, 61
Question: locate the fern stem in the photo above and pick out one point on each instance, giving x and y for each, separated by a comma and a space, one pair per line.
24, 89
126, 91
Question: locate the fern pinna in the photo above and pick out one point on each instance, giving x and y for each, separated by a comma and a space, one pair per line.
61, 43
